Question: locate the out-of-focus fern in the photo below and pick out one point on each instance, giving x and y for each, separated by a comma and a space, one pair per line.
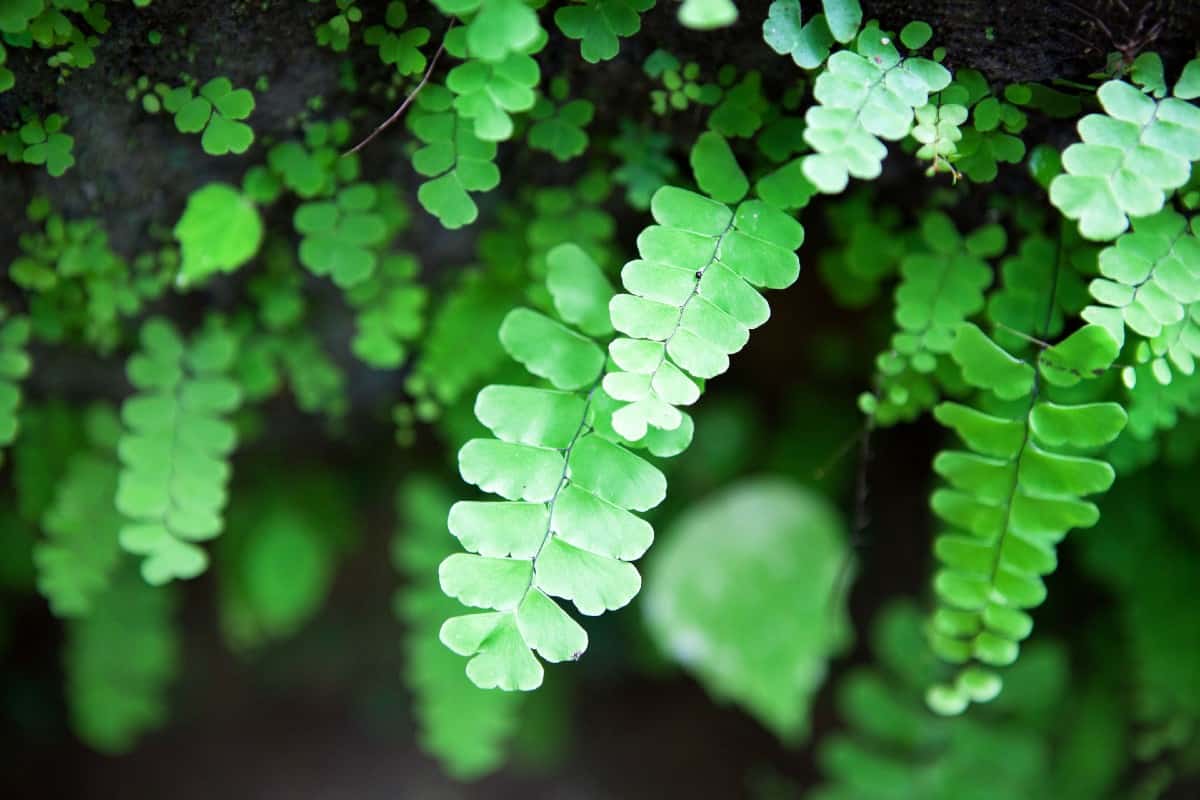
14, 367
277, 559
175, 448
1040, 739
766, 650
1144, 550
80, 551
463, 726
941, 285
390, 306
119, 661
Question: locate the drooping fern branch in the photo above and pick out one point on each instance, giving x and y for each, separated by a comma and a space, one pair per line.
1011, 497
564, 527
80, 552
119, 661
691, 300
175, 448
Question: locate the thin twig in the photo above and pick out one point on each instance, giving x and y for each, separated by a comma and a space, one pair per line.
408, 100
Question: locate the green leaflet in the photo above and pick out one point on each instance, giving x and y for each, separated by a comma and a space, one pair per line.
219, 231
786, 32
119, 661
76, 560
489, 91
598, 24
863, 97
768, 649
1129, 159
691, 301
396, 45
454, 159
578, 288
175, 448
1010, 497
14, 367
217, 110
461, 725
941, 285
495, 28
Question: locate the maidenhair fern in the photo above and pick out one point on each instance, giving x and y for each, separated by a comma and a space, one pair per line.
175, 448
454, 159
76, 561
566, 529
1049, 322
14, 367
1011, 497
119, 662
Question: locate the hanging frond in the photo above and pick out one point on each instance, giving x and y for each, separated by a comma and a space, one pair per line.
1012, 495
14, 367
76, 559
119, 661
175, 448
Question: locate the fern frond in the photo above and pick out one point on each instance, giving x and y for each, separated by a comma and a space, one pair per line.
175, 448
119, 661
570, 484
77, 558
14, 367
463, 726
1011, 497
691, 300
1130, 158
864, 97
